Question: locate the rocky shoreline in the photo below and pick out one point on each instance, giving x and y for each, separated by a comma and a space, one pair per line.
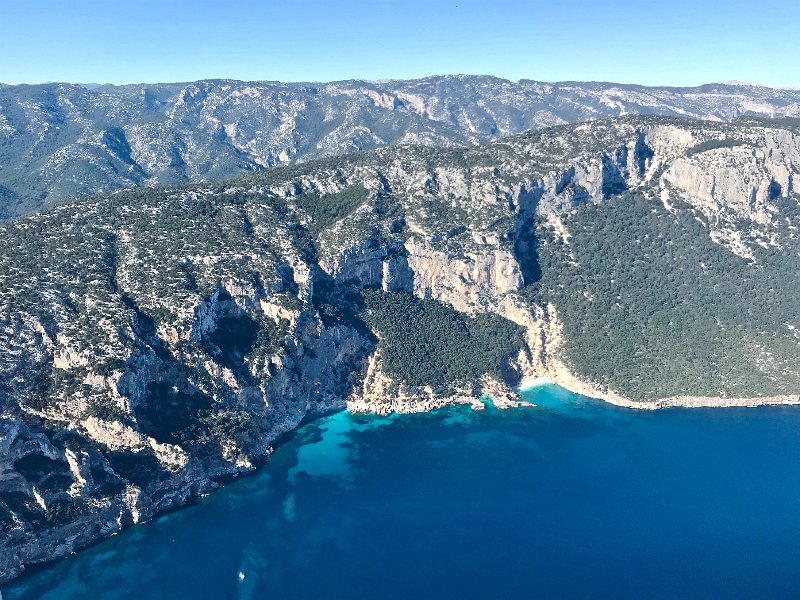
408, 400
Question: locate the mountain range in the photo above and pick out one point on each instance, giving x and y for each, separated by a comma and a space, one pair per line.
59, 141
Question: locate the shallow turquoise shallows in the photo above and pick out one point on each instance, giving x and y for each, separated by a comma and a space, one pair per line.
574, 499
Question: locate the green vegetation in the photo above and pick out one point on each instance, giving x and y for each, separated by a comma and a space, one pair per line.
268, 336
653, 307
177, 295
107, 411
325, 210
713, 145
790, 123
425, 342
339, 302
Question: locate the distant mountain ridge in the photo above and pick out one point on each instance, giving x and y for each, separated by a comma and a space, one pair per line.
59, 141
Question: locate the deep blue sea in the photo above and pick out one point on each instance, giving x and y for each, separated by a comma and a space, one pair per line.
577, 499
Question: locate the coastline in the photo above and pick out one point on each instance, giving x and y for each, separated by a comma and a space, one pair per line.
502, 396
577, 386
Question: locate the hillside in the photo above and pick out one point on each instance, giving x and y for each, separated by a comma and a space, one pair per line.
59, 141
155, 342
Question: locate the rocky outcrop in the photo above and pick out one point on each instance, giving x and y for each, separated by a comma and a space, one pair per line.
372, 266
381, 394
734, 178
739, 176
62, 488
108, 417
465, 282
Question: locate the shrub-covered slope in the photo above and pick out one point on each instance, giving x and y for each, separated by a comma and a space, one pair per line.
653, 308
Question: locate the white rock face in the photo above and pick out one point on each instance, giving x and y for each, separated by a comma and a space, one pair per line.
465, 283
743, 179
363, 262
734, 184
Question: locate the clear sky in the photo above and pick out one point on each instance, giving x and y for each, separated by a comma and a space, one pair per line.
669, 42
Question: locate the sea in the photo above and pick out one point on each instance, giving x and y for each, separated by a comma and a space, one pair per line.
572, 499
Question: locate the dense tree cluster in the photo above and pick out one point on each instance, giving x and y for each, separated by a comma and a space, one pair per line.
326, 209
425, 342
653, 307
713, 145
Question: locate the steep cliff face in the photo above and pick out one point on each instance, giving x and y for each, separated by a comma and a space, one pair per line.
735, 181
155, 342
463, 282
138, 370
80, 463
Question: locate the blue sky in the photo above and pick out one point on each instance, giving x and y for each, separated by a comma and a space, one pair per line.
669, 42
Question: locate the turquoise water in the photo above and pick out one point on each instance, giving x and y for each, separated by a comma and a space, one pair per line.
575, 499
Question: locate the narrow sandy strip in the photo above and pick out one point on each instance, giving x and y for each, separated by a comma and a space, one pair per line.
576, 386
